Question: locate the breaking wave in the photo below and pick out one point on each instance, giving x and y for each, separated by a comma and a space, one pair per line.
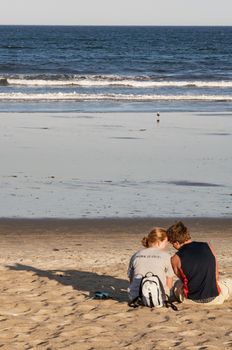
113, 97
108, 80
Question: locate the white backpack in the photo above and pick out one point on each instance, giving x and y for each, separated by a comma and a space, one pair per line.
151, 292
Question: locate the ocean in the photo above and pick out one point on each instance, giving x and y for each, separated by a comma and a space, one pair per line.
104, 68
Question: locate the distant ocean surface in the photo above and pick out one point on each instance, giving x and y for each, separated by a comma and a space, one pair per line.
94, 68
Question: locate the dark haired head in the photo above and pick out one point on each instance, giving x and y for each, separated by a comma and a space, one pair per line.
178, 233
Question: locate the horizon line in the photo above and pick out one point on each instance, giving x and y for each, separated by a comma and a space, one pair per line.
119, 25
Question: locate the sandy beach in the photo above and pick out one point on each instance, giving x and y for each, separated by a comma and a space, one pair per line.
51, 268
83, 166
87, 170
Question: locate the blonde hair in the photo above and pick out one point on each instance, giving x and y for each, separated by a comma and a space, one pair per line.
157, 234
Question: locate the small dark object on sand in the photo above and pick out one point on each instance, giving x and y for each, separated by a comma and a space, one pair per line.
102, 295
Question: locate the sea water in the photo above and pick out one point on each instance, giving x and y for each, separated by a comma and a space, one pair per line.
101, 68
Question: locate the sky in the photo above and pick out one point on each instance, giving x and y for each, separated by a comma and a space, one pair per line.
116, 12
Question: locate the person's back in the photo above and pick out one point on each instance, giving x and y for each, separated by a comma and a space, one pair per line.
151, 259
198, 269
196, 266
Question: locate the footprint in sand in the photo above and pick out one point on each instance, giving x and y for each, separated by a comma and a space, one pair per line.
203, 347
228, 344
40, 318
191, 333
228, 334
16, 311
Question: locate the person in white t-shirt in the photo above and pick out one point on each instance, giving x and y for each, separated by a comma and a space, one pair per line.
153, 258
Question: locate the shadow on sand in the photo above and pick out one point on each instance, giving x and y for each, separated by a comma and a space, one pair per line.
84, 281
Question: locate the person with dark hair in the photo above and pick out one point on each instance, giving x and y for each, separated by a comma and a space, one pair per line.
196, 266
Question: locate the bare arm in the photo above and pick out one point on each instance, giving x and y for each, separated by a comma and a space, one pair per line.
176, 265
169, 282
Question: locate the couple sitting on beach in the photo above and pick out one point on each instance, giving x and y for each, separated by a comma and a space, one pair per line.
194, 264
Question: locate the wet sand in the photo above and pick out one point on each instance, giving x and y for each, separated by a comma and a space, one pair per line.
76, 165
51, 268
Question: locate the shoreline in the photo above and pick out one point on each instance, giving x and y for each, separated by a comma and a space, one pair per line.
193, 222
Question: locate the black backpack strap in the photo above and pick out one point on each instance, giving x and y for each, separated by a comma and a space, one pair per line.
151, 301
162, 289
136, 302
168, 303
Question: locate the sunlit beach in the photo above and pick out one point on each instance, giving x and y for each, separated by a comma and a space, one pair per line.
116, 163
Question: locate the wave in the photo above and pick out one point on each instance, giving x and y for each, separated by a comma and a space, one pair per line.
110, 97
110, 80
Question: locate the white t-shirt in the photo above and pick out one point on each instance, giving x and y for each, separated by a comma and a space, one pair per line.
148, 260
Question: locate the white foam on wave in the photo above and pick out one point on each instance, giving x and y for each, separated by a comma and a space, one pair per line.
103, 81
112, 97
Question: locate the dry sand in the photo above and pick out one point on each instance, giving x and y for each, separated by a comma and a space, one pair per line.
51, 268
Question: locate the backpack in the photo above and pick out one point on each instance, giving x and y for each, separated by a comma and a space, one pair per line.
152, 293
